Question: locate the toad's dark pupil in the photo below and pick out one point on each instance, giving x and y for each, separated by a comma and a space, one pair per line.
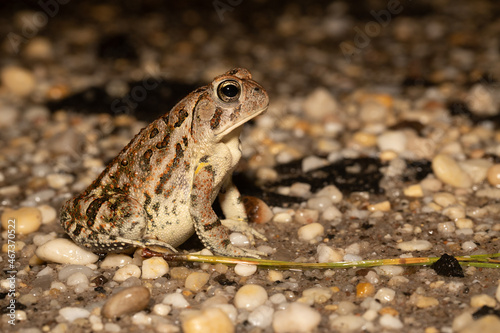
230, 90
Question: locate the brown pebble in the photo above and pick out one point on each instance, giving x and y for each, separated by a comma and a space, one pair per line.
257, 210
494, 175
130, 300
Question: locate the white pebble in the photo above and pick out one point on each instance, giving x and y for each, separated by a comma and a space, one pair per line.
449, 172
385, 295
64, 251
176, 300
261, 317
297, 317
353, 248
320, 103
77, 278
126, 272
316, 295
444, 199
415, 245
469, 246
239, 240
211, 320
141, 318
46, 271
113, 260
392, 140
72, 313
331, 192
389, 270
58, 181
347, 323
278, 298
313, 162
245, 270
250, 296
162, 309
309, 232
446, 227
454, 212
196, 280
49, 214
328, 254
306, 216
41, 239
319, 203
69, 270
154, 268
300, 190
464, 223
390, 322
331, 213
477, 169
282, 218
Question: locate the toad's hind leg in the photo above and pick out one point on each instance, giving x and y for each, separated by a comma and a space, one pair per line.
110, 223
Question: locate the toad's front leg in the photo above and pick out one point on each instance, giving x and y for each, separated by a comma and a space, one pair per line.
209, 228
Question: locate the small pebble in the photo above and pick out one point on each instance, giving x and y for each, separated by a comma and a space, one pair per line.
319, 203
257, 210
313, 162
64, 251
493, 175
486, 324
384, 206
77, 278
58, 181
297, 317
300, 190
154, 268
176, 300
306, 216
39, 48
414, 191
69, 270
49, 214
250, 296
365, 139
347, 323
261, 317
477, 169
331, 192
454, 212
469, 246
211, 320
127, 301
18, 80
415, 245
444, 199
245, 270
385, 295
390, 322
424, 302
462, 223
316, 295
446, 227
389, 270
449, 172
364, 289
282, 218
126, 272
239, 240
113, 260
274, 275
327, 254
392, 140
72, 313
481, 300
331, 213
25, 220
196, 280
310, 232
162, 309
319, 104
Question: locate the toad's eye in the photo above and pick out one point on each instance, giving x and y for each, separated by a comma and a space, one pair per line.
229, 91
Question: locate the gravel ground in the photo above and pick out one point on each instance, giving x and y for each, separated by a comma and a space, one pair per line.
382, 140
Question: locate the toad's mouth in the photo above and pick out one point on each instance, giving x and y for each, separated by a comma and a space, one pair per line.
239, 123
